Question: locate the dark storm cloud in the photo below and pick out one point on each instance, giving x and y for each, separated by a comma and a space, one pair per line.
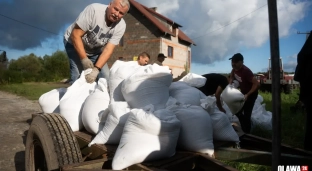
50, 16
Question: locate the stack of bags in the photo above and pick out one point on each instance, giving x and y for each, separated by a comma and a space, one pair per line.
142, 111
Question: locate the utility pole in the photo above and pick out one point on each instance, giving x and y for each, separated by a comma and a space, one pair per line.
276, 95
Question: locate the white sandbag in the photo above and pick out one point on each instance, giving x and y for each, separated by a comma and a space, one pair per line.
147, 137
235, 84
233, 118
259, 99
50, 101
222, 127
72, 101
114, 125
186, 94
260, 117
196, 129
194, 80
208, 103
148, 85
94, 105
233, 98
120, 71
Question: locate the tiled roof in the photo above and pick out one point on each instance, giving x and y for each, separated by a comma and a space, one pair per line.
149, 14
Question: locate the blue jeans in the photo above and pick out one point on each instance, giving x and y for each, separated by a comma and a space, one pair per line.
76, 66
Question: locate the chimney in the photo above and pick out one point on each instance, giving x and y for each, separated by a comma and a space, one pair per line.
153, 8
176, 31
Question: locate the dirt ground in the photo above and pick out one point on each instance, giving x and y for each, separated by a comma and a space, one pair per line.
15, 118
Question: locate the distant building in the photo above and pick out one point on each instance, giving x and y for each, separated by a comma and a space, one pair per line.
153, 33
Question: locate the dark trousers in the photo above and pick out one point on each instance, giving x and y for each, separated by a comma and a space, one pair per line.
308, 126
244, 115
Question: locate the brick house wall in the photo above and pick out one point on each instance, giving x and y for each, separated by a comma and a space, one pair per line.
180, 57
140, 35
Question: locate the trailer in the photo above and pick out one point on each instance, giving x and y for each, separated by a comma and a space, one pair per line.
51, 145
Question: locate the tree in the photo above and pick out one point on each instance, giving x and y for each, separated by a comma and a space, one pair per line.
28, 66
3, 60
57, 65
3, 57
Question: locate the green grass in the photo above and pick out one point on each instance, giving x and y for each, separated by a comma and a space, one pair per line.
292, 124
32, 90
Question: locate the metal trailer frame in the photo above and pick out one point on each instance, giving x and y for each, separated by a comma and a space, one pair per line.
253, 149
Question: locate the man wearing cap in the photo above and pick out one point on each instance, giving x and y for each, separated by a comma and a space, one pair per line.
249, 87
160, 59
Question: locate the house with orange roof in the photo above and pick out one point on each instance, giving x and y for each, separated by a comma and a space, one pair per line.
154, 33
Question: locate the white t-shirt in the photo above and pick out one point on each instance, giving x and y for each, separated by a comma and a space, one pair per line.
98, 34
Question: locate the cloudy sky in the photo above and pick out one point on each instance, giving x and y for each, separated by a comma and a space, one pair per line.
219, 28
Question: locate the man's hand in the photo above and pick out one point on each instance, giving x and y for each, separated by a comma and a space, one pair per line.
86, 63
92, 76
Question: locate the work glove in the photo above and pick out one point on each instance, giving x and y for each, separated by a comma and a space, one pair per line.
90, 78
86, 63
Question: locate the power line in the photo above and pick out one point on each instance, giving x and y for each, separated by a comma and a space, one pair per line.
231, 22
29, 24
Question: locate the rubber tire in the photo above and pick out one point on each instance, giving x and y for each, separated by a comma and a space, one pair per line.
50, 144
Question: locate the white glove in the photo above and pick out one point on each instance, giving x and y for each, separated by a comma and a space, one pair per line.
90, 78
86, 63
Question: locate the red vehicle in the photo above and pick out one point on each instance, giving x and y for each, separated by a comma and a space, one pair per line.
287, 81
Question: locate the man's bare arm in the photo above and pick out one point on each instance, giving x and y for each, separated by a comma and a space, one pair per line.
76, 36
255, 86
105, 55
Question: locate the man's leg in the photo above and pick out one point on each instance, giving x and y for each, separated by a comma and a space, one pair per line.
74, 63
247, 111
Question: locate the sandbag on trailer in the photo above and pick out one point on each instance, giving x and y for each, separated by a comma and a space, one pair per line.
114, 124
147, 136
72, 101
94, 106
50, 101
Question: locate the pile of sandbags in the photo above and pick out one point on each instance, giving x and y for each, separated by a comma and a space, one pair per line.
142, 111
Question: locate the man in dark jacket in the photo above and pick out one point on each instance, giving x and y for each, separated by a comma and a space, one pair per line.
215, 84
303, 74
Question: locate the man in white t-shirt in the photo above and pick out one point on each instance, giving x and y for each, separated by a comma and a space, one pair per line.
91, 39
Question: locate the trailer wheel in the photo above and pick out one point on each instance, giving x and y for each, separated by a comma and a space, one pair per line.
50, 144
287, 89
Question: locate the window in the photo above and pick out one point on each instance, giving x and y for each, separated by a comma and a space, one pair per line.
121, 42
170, 51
